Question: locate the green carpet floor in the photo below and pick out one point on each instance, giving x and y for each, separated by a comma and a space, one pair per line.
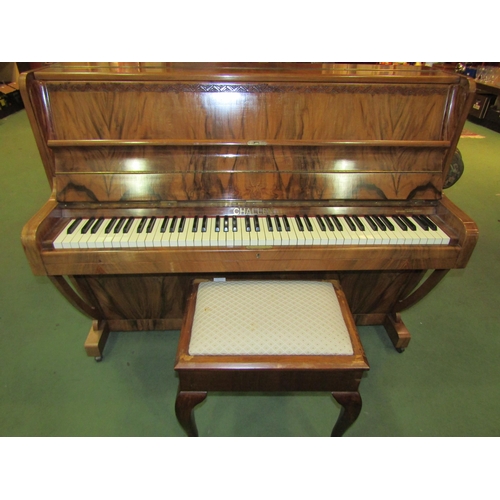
447, 383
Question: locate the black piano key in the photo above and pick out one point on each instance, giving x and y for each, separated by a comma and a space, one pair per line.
151, 225
164, 225
286, 223
120, 224
140, 227
110, 225
371, 223
387, 223
431, 224
299, 223
195, 224
173, 224
182, 224
321, 224
277, 223
248, 226
74, 225
329, 223
226, 223
307, 223
350, 223
97, 225
337, 223
88, 225
379, 222
400, 222
204, 224
217, 224
408, 222
256, 223
358, 222
235, 224
420, 222
128, 225
269, 223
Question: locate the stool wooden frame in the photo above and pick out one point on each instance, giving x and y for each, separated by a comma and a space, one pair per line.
338, 374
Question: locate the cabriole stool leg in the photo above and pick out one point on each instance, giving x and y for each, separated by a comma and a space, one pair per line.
184, 406
351, 408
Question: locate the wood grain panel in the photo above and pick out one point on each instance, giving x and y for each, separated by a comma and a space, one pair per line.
131, 110
142, 159
146, 300
247, 186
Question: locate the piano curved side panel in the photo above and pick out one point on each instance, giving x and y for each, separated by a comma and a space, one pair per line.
33, 234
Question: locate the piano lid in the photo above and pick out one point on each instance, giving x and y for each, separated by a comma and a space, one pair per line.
256, 71
124, 132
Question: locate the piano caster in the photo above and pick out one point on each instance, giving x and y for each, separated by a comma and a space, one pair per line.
96, 339
397, 331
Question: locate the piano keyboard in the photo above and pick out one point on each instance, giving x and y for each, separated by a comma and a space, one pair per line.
245, 231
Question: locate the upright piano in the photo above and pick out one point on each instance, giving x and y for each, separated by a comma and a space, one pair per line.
166, 172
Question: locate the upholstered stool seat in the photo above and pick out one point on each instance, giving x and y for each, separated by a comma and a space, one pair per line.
269, 336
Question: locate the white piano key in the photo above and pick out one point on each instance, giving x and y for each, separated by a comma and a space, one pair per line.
212, 236
384, 234
335, 235
189, 235
70, 240
63, 235
253, 235
397, 235
351, 237
73, 241
153, 238
303, 236
317, 235
440, 237
121, 236
239, 234
292, 237
287, 237
266, 237
199, 235
129, 239
94, 241
117, 235
182, 232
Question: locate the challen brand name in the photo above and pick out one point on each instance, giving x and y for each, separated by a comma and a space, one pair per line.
253, 211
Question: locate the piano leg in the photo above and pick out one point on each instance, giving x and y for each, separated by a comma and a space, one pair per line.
397, 331
96, 339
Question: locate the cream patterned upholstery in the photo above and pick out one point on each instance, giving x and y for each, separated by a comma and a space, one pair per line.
268, 318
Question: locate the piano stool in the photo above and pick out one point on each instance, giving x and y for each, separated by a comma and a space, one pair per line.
269, 336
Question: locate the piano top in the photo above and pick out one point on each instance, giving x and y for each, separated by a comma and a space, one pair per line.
321, 72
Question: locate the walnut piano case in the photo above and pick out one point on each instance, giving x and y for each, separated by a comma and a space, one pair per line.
316, 141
